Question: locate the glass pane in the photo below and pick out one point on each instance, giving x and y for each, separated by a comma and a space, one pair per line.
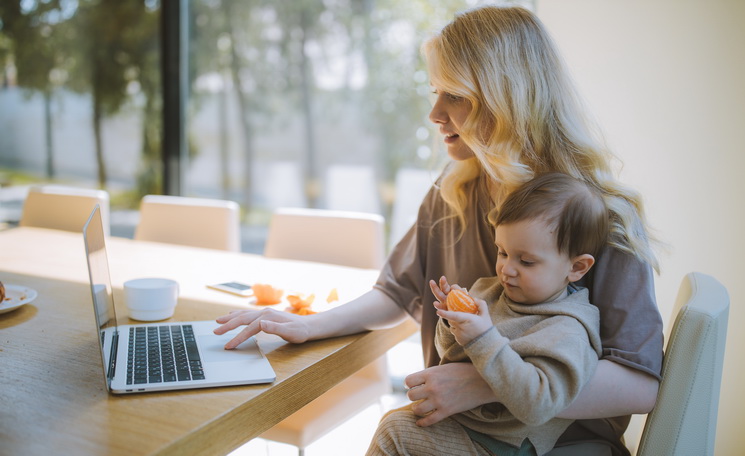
319, 103
79, 98
312, 103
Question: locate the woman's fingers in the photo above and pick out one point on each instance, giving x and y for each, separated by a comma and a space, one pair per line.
242, 336
431, 418
289, 327
294, 331
229, 316
235, 319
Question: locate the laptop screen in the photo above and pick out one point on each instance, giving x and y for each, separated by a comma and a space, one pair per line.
100, 282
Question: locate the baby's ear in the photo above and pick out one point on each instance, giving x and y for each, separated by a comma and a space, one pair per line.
580, 265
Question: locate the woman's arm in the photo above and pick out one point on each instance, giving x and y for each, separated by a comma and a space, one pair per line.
372, 310
614, 390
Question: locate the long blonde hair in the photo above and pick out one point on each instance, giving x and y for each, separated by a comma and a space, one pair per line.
526, 118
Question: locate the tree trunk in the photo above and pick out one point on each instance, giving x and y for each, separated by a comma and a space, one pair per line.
48, 126
224, 140
312, 182
243, 105
97, 117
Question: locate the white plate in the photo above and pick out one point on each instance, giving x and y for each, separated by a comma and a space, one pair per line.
16, 296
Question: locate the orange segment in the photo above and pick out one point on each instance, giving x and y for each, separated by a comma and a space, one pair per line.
461, 301
333, 296
266, 294
298, 302
303, 311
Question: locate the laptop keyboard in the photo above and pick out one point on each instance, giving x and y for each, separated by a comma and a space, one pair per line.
163, 354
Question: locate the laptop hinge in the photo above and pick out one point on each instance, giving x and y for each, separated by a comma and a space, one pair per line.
112, 354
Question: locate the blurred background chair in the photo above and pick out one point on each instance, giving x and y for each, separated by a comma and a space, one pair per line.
197, 222
684, 420
343, 238
63, 208
339, 237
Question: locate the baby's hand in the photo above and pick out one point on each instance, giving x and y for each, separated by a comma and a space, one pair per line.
467, 326
441, 291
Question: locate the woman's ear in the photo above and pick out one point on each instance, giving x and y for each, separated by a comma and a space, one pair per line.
580, 265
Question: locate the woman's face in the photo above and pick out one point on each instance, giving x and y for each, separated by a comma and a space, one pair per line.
449, 112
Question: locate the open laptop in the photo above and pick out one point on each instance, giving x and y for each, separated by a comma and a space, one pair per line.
191, 356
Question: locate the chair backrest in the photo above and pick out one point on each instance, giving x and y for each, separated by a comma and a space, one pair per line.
63, 208
337, 237
197, 222
684, 420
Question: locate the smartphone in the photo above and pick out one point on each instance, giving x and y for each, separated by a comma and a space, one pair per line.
236, 288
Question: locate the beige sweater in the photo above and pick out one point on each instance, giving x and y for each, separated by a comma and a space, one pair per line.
536, 359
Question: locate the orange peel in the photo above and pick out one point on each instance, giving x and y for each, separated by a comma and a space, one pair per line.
298, 302
333, 296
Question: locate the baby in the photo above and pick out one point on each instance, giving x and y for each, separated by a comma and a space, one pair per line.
537, 341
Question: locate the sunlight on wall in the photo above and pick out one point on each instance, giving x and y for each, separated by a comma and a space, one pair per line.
664, 80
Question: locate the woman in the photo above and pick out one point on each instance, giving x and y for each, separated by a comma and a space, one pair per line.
507, 111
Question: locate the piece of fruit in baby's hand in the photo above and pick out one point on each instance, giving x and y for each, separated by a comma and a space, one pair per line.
459, 300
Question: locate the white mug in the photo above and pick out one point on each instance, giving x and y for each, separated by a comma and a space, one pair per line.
151, 299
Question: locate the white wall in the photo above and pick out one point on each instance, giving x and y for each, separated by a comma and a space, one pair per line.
666, 80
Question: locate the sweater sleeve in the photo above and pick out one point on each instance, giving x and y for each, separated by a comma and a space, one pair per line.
539, 374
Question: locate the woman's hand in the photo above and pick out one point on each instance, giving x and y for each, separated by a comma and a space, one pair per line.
372, 310
442, 391
292, 328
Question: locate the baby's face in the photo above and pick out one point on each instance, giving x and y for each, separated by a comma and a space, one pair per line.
529, 264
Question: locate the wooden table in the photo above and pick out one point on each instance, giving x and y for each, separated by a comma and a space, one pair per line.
52, 394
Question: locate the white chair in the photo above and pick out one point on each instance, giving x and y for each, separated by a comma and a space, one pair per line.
63, 208
337, 237
197, 222
684, 420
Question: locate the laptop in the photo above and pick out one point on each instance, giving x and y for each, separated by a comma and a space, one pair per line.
167, 355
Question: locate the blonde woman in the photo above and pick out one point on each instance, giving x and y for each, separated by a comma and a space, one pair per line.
507, 111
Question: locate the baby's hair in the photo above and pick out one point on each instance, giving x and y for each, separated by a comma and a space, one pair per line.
574, 211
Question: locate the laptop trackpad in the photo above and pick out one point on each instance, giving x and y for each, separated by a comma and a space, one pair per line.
212, 349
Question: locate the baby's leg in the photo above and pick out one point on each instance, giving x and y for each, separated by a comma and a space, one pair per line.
398, 434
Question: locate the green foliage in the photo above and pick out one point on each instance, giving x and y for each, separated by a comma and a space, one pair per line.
105, 48
281, 59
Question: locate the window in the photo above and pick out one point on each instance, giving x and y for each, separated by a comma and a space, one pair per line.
319, 103
79, 98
